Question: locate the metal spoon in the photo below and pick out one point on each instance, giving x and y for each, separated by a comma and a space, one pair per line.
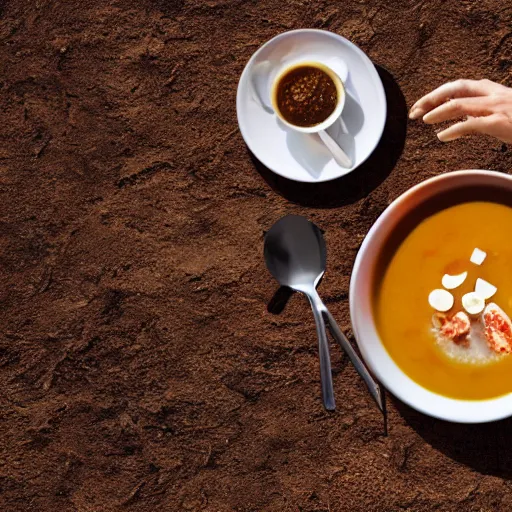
295, 255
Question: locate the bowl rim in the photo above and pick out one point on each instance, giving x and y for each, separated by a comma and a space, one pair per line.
361, 314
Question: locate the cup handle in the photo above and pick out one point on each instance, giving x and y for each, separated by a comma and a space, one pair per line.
338, 154
258, 75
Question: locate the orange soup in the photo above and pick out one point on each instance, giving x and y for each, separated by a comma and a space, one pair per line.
443, 244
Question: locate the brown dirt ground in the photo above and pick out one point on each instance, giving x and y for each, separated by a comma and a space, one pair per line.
140, 369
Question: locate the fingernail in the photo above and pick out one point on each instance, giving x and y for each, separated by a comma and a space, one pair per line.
443, 137
415, 113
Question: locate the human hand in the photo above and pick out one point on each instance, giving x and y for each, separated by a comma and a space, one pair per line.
487, 106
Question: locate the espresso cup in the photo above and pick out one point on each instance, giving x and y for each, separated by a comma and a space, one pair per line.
264, 69
332, 117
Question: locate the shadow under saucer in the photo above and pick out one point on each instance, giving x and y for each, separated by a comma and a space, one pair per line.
368, 176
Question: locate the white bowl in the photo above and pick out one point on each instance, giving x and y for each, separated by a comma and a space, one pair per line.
361, 309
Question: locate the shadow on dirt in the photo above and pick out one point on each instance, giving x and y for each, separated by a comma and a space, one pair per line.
484, 447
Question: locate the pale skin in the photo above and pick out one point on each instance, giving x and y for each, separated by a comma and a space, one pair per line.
485, 107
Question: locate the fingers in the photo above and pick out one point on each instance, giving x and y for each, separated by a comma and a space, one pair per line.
457, 89
472, 125
480, 106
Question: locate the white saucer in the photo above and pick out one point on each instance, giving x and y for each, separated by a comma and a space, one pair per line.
303, 157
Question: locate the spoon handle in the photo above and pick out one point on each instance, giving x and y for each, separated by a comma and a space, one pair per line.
325, 359
340, 157
338, 335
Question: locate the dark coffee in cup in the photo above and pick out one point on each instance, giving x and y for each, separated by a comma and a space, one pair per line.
306, 95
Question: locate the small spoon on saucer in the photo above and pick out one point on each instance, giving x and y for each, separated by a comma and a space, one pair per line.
295, 255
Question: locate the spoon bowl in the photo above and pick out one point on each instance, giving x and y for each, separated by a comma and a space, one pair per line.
295, 252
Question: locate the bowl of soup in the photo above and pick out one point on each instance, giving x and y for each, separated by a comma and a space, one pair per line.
431, 297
